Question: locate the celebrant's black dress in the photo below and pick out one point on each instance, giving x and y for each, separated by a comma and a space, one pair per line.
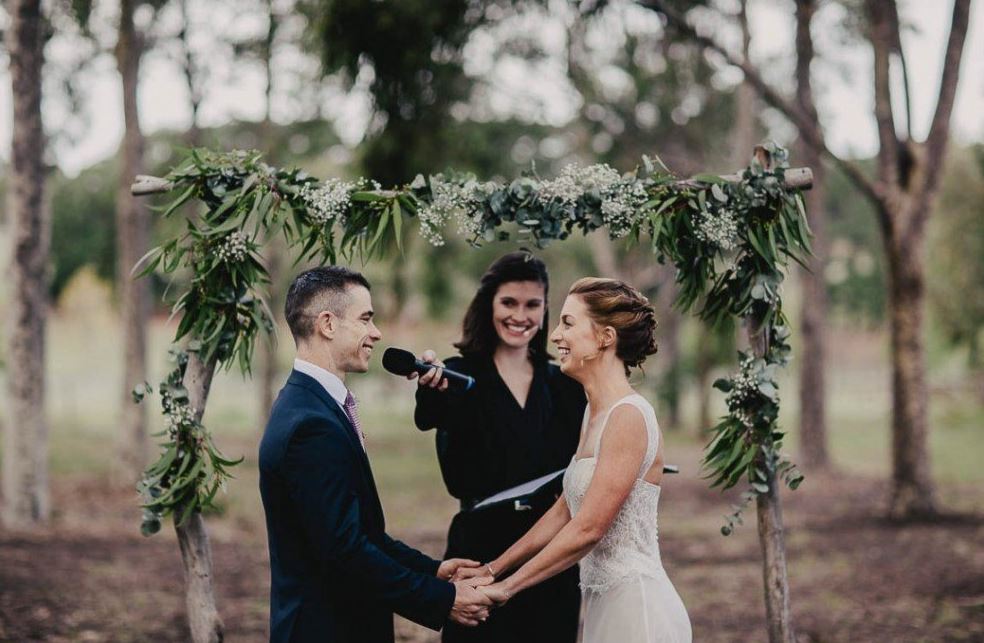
487, 443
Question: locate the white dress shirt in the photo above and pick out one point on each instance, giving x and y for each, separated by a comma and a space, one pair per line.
335, 387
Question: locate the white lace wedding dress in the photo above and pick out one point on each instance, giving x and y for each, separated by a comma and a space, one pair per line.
627, 595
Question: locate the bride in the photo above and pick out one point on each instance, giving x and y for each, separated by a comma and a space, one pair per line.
606, 518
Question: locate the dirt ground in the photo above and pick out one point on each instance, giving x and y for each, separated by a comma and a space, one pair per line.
90, 576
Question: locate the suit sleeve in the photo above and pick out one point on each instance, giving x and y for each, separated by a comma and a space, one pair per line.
410, 557
318, 469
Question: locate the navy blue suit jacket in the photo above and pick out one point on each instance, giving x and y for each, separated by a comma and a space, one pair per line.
335, 574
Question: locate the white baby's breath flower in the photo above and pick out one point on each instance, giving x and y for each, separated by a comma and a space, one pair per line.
719, 228
461, 203
575, 180
233, 248
619, 204
179, 416
330, 200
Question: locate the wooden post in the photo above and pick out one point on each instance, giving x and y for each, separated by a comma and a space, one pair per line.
196, 554
769, 509
206, 626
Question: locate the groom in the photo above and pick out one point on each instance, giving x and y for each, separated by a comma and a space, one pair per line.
335, 573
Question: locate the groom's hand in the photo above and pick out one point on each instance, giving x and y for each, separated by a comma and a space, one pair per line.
434, 378
451, 566
471, 606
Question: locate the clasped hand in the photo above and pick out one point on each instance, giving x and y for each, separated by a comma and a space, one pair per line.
475, 590
496, 592
471, 607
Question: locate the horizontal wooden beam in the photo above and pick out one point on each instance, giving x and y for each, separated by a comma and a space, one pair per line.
799, 178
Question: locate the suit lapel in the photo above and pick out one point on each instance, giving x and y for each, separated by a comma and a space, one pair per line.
311, 384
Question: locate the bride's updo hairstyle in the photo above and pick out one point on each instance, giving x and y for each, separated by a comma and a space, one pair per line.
614, 303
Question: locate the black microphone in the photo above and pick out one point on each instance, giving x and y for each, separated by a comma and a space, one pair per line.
401, 362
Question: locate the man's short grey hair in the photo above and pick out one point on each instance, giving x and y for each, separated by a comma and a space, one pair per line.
316, 290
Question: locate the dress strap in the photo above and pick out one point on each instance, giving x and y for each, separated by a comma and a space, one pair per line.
608, 414
652, 432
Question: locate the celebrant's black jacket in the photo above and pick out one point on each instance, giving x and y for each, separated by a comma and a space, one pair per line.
487, 443
335, 574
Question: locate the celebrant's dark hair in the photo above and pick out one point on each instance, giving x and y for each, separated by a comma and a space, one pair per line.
478, 336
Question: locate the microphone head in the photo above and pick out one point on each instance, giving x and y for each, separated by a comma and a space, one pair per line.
399, 361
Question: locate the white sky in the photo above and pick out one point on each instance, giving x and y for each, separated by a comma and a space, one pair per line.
841, 77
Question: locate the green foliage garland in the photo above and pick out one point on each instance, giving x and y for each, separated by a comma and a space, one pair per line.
190, 471
730, 240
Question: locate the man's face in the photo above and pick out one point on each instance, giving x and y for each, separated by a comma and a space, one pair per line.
355, 333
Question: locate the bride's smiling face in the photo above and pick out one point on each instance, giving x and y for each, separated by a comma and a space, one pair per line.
576, 336
517, 312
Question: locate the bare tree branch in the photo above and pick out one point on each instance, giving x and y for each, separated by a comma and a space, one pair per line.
882, 43
939, 131
868, 187
897, 46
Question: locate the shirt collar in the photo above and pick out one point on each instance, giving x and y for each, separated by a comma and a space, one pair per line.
331, 382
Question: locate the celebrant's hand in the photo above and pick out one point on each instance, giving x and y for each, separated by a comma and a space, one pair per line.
434, 378
448, 569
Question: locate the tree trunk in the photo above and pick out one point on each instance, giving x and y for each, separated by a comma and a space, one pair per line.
132, 240
704, 362
268, 345
778, 618
196, 554
273, 251
669, 347
25, 462
813, 386
912, 486
194, 134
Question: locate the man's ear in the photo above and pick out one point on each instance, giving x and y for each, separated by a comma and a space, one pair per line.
326, 324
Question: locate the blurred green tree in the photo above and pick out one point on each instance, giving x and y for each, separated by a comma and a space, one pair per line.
83, 226
855, 272
903, 196
411, 50
956, 245
646, 90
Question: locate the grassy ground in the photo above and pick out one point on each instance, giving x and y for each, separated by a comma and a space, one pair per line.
90, 576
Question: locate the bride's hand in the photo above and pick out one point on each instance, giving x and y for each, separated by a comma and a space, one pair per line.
497, 593
470, 571
449, 569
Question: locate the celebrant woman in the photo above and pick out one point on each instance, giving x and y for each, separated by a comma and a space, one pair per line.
519, 422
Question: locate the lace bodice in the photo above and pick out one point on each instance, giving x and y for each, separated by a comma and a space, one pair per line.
631, 545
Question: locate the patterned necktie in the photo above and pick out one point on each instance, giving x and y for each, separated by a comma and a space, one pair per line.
352, 411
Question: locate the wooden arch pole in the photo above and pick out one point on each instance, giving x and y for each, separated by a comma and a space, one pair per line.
205, 623
196, 552
779, 621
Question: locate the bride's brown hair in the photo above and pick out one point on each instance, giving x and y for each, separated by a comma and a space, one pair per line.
615, 303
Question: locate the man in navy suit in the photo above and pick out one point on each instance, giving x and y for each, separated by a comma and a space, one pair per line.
335, 573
